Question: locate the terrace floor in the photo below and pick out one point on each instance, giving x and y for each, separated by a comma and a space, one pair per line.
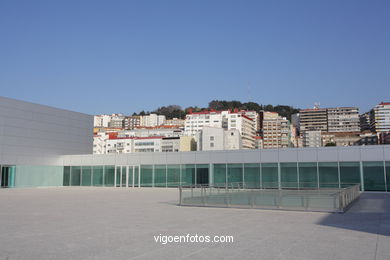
120, 223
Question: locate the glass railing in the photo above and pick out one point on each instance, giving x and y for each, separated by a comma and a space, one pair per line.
299, 198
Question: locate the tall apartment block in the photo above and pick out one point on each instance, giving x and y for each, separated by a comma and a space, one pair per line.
380, 117
313, 119
343, 119
276, 130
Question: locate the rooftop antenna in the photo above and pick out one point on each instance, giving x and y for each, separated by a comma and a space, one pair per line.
317, 105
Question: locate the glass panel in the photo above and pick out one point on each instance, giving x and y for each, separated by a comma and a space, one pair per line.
188, 174
87, 176
75, 175
130, 178
269, 175
308, 175
219, 175
289, 175
118, 175
66, 175
97, 175
146, 175
123, 176
173, 175
109, 175
374, 178
160, 176
388, 175
329, 174
202, 174
349, 173
252, 175
235, 172
136, 176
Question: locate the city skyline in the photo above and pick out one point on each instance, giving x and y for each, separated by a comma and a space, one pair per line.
95, 57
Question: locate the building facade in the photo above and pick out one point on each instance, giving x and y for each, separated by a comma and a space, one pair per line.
381, 117
343, 119
276, 131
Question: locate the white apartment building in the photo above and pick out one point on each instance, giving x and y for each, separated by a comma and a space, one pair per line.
312, 139
381, 117
152, 120
117, 121
155, 131
343, 119
175, 122
237, 120
101, 120
216, 138
276, 131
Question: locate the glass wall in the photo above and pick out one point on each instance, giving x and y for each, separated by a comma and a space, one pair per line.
66, 179
130, 176
160, 176
269, 175
188, 174
374, 177
136, 176
234, 174
329, 174
349, 173
109, 176
173, 175
308, 175
146, 176
252, 175
202, 174
219, 172
289, 175
97, 175
75, 176
86, 177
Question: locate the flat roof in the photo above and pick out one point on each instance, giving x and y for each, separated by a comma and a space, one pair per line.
120, 223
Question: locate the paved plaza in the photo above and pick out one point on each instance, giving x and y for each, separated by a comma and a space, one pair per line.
120, 223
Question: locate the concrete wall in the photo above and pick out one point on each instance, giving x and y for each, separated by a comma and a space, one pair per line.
32, 134
321, 154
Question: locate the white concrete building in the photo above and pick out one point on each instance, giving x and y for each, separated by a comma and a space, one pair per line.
216, 138
312, 139
343, 119
237, 120
152, 120
381, 117
175, 122
101, 120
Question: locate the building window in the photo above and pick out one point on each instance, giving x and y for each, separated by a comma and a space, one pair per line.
211, 138
211, 144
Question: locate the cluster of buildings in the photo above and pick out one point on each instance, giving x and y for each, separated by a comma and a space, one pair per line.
239, 129
342, 126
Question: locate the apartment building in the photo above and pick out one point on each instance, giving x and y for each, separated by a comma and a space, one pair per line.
276, 131
237, 120
311, 139
365, 123
216, 138
152, 120
380, 117
175, 122
343, 119
132, 122
313, 119
101, 120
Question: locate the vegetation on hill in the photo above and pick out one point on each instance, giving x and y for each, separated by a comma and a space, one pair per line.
175, 111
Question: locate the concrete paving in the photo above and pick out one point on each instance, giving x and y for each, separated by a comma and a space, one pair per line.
120, 223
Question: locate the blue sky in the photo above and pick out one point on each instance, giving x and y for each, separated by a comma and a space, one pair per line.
125, 56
